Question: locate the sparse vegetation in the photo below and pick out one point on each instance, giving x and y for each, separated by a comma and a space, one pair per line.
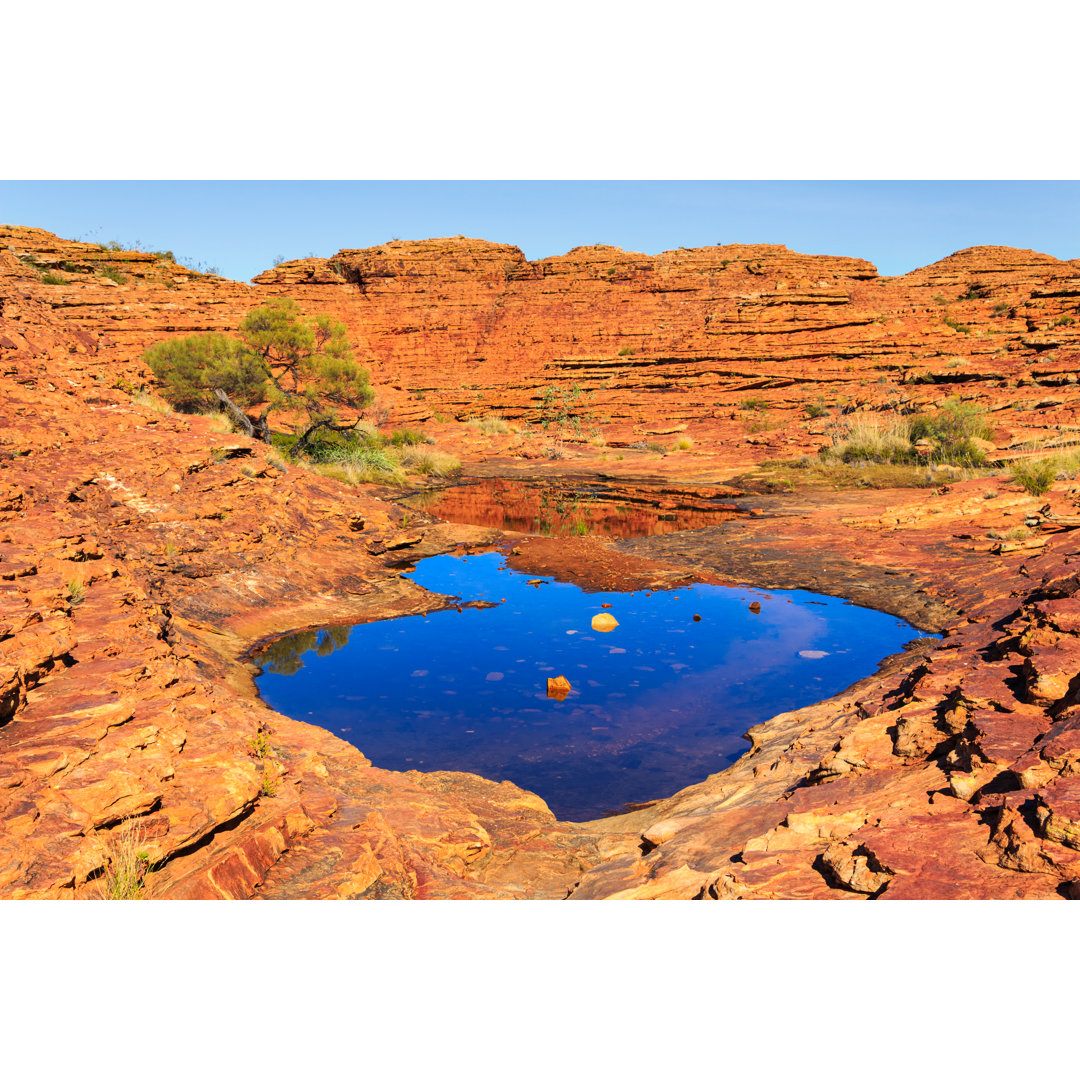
683, 442
490, 425
816, 409
754, 404
833, 473
260, 748
126, 863
49, 278
1035, 475
145, 398
626, 351
114, 273
76, 591
946, 435
959, 327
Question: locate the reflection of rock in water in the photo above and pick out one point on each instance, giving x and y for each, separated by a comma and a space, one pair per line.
604, 622
562, 510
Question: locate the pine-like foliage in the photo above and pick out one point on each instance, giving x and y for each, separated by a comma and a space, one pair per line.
281, 360
192, 368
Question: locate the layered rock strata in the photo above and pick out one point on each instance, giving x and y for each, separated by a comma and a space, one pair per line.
142, 553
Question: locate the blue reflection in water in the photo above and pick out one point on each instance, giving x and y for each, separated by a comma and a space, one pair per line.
658, 703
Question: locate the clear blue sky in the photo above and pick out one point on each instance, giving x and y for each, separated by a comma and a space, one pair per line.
241, 227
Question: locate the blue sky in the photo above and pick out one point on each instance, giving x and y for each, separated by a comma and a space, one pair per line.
241, 227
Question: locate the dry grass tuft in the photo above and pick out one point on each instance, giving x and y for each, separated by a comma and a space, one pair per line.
126, 863
149, 401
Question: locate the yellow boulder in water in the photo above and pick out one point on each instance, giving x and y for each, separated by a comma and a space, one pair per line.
558, 687
604, 622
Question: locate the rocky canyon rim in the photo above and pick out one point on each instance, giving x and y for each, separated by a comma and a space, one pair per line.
143, 553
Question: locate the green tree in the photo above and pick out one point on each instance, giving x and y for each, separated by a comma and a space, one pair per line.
192, 368
301, 367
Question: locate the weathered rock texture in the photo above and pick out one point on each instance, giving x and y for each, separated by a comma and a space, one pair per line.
141, 554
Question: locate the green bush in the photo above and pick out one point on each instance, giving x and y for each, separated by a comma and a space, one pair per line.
191, 368
1035, 476
951, 429
49, 278
113, 274
406, 437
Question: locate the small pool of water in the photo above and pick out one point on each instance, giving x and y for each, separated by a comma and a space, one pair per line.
558, 508
657, 703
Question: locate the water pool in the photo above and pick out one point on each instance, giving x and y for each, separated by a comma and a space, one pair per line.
657, 703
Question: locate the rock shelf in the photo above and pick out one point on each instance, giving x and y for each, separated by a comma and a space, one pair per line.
143, 555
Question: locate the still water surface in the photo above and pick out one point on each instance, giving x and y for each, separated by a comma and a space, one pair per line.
658, 703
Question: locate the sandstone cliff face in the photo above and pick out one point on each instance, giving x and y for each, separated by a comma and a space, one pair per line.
461, 328
142, 552
466, 328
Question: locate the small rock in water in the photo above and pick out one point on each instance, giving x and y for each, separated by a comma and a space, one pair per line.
697, 618
558, 687
755, 607
605, 605
604, 622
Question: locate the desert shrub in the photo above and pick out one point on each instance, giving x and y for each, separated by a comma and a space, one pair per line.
191, 368
113, 273
865, 440
429, 462
951, 429
626, 351
955, 325
125, 864
49, 278
683, 442
494, 425
754, 404
406, 437
816, 409
1035, 475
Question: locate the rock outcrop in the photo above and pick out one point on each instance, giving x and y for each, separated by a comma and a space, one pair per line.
142, 553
